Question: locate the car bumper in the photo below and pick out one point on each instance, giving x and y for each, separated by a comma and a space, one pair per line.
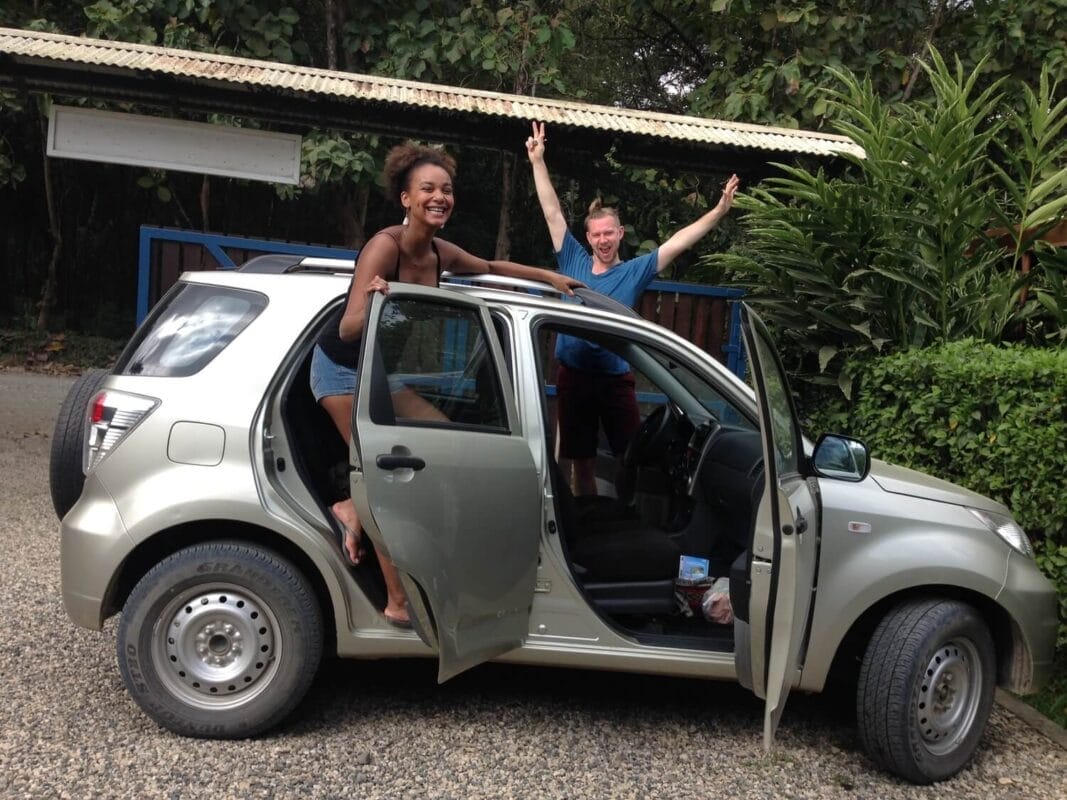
93, 544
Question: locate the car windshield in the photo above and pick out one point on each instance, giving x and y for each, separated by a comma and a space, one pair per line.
703, 392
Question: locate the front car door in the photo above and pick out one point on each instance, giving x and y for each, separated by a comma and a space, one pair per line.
443, 479
785, 543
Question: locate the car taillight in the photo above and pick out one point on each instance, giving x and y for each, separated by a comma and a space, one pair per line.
110, 416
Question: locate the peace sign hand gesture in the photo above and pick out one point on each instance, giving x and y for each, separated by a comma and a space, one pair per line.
535, 144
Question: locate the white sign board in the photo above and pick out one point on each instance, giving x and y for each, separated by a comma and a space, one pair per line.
91, 135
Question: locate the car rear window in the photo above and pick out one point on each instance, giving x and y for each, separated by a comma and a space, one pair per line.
190, 326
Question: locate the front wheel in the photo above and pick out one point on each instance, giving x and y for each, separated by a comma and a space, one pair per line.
220, 640
926, 689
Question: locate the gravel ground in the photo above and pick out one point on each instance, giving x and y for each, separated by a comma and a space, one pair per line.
384, 729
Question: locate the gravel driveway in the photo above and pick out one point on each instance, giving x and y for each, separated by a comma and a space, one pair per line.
385, 729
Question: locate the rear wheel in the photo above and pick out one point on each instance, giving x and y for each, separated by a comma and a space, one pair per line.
220, 640
65, 476
926, 688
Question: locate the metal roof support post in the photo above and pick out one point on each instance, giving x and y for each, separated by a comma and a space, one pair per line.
144, 263
735, 359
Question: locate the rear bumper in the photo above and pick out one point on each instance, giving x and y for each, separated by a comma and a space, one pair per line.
93, 545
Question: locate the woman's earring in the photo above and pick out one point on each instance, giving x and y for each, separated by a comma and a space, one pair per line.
405, 222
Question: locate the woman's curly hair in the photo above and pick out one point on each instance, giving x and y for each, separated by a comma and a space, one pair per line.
403, 158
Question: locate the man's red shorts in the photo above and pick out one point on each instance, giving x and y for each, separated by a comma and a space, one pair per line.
586, 400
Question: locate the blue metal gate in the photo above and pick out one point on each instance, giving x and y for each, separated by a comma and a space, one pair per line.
708, 316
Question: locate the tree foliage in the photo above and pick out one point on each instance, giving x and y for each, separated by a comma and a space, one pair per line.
899, 252
735, 59
253, 28
765, 62
513, 47
11, 172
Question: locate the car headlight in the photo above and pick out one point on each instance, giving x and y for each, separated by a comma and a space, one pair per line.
1007, 529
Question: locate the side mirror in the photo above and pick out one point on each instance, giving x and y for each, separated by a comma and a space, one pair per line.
841, 457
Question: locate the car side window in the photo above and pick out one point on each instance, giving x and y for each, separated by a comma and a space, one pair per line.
439, 367
188, 328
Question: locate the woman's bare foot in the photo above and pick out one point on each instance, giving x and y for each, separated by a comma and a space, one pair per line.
346, 515
397, 615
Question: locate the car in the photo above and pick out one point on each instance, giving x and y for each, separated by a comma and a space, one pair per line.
194, 483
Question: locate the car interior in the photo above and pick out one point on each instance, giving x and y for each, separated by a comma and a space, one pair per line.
320, 457
688, 485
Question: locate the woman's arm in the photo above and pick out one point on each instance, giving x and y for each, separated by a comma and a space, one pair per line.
375, 260
559, 281
458, 261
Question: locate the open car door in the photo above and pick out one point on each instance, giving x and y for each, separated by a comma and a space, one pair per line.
785, 544
443, 479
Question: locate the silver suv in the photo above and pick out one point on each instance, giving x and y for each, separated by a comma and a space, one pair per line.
194, 484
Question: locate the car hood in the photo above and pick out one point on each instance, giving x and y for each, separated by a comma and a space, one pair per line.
901, 480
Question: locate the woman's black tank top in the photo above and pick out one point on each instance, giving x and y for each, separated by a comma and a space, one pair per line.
347, 353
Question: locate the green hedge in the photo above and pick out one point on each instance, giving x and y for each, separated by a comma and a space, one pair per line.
991, 418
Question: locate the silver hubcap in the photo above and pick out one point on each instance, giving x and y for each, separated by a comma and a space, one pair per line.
949, 695
217, 645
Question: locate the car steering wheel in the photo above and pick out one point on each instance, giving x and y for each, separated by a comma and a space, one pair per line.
646, 441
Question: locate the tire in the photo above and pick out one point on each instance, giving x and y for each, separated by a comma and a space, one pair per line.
925, 689
220, 640
65, 476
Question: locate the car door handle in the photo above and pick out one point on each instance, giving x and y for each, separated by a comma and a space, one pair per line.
390, 462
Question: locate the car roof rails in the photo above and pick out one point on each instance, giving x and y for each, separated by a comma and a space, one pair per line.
281, 264
273, 263
330, 266
498, 282
278, 264
588, 297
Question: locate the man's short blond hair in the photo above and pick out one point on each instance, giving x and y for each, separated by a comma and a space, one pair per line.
597, 210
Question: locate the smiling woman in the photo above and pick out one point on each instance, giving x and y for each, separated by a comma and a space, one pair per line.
420, 179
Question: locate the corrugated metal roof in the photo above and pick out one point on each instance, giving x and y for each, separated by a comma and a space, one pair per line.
329, 83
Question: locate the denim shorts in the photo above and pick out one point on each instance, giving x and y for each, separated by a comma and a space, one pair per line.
328, 378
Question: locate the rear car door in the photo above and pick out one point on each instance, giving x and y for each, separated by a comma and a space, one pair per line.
786, 539
443, 479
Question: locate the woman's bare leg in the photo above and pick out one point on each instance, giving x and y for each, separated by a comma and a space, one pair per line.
346, 514
408, 404
339, 407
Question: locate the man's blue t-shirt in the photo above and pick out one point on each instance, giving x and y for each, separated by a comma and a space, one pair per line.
624, 282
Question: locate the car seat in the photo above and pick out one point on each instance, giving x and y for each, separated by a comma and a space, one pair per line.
625, 565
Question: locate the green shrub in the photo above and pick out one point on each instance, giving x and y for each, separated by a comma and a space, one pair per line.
993, 419
990, 418
1052, 559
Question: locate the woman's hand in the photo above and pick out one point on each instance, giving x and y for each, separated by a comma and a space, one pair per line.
378, 284
563, 283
